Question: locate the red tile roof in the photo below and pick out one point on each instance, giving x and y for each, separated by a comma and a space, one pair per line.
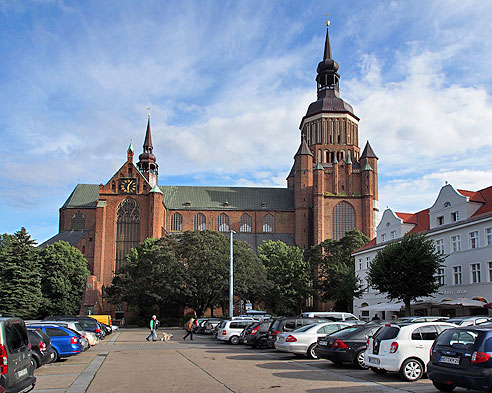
486, 195
474, 196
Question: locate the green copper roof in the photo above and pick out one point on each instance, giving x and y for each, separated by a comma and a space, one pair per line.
156, 189
84, 195
238, 198
367, 167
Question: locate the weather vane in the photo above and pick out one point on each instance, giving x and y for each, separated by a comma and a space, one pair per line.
148, 111
327, 21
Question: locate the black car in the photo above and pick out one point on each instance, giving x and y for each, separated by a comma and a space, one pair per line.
41, 353
347, 345
288, 324
257, 335
462, 357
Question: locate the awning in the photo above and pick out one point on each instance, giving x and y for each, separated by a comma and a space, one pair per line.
383, 307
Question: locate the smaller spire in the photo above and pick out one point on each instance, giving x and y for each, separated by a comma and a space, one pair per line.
319, 167
130, 147
349, 160
304, 149
367, 167
156, 189
368, 152
335, 159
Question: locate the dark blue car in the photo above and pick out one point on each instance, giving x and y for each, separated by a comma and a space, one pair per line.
65, 341
462, 357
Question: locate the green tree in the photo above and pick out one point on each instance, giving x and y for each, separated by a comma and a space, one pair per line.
289, 276
153, 278
406, 269
64, 272
336, 279
20, 286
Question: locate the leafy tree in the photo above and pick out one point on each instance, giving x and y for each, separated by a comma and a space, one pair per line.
152, 279
406, 269
289, 276
64, 273
336, 279
20, 286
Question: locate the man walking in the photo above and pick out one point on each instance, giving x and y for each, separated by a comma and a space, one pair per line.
189, 329
154, 323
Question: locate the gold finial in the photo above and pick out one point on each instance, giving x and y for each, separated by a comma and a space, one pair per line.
327, 21
148, 112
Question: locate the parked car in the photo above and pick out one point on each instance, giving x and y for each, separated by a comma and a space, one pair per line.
65, 341
87, 323
469, 321
417, 319
462, 357
16, 366
288, 324
303, 340
231, 330
246, 331
346, 345
199, 325
257, 334
74, 325
403, 348
211, 324
48, 354
38, 347
330, 315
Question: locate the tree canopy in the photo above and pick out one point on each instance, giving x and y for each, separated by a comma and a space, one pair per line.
406, 269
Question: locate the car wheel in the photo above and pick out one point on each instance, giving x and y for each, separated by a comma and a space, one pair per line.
443, 387
359, 360
311, 352
234, 340
36, 362
412, 370
56, 356
379, 371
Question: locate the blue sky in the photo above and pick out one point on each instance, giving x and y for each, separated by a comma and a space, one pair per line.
228, 83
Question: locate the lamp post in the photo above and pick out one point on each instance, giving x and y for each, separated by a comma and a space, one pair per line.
231, 280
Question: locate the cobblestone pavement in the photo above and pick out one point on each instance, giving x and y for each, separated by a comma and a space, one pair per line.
125, 362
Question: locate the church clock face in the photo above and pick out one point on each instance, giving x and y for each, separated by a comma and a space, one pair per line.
128, 186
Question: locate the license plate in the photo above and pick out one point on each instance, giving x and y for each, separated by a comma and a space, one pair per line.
374, 360
22, 372
449, 360
324, 343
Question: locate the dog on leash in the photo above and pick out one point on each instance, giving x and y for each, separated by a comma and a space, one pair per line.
166, 337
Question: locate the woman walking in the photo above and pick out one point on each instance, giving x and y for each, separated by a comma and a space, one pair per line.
189, 329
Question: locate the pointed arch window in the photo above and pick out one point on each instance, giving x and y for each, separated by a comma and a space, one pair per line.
78, 222
223, 223
246, 223
200, 222
343, 219
127, 230
268, 223
320, 155
177, 222
327, 156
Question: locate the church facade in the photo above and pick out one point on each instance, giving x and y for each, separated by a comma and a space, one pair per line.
332, 188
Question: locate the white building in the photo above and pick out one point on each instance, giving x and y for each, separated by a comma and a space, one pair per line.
460, 223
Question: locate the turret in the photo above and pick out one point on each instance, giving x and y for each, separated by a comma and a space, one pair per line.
147, 162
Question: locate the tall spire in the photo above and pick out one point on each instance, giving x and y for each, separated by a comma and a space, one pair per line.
147, 161
147, 146
328, 78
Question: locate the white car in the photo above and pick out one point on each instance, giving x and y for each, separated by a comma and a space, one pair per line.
303, 340
403, 348
231, 330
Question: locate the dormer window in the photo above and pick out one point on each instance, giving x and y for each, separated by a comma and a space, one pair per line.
455, 216
447, 204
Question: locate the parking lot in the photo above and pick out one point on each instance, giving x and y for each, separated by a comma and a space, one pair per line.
126, 362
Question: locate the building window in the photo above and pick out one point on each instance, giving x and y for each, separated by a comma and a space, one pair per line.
268, 223
127, 230
441, 276
319, 155
78, 222
368, 262
457, 278
440, 220
246, 223
474, 239
360, 263
383, 237
488, 235
475, 273
440, 246
489, 265
456, 243
177, 222
447, 204
223, 223
343, 219
455, 216
200, 222
393, 234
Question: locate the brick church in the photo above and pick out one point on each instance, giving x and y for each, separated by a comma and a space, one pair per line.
332, 188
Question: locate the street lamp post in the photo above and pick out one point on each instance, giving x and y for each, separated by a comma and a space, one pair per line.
231, 280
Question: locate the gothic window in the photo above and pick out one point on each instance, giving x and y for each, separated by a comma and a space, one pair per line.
327, 156
176, 222
246, 223
223, 223
78, 222
325, 132
331, 131
268, 223
343, 219
318, 129
319, 155
127, 230
200, 223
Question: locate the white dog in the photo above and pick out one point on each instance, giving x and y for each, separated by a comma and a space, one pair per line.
166, 337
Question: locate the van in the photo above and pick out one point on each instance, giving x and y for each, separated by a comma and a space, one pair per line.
106, 319
16, 364
331, 315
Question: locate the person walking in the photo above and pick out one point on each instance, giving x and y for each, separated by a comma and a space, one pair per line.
189, 329
154, 323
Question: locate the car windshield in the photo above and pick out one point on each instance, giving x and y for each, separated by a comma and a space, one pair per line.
457, 338
306, 327
387, 333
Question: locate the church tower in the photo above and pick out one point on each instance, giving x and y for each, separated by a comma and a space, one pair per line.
336, 189
147, 162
